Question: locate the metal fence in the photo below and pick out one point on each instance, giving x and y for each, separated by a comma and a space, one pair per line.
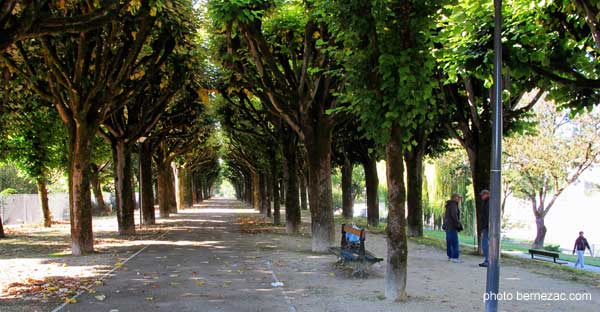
27, 209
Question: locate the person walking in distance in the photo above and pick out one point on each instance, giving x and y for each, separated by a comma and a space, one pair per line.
484, 222
452, 226
580, 245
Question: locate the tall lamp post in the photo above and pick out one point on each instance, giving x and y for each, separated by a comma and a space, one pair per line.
493, 270
140, 150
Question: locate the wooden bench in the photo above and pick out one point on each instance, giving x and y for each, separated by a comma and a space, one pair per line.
546, 253
356, 257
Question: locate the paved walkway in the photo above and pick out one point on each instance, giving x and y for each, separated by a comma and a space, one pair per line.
206, 265
590, 268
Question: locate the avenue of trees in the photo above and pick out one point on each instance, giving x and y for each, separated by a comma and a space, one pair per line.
273, 95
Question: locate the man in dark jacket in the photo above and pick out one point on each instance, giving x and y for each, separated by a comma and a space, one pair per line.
484, 222
580, 244
452, 226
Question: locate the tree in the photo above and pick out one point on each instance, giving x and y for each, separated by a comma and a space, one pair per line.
87, 74
384, 50
32, 139
465, 59
543, 165
283, 46
22, 20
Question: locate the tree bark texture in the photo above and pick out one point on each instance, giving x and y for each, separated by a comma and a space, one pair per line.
148, 216
97, 190
303, 195
372, 186
166, 189
81, 137
43, 193
318, 146
123, 176
396, 260
347, 196
414, 180
292, 200
180, 189
275, 191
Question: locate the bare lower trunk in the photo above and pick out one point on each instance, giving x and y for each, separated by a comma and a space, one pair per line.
146, 184
347, 196
275, 190
372, 186
318, 146
188, 189
2, 235
256, 191
123, 188
180, 189
165, 190
292, 200
268, 195
97, 190
396, 260
43, 193
414, 179
171, 195
303, 197
80, 200
540, 232
479, 160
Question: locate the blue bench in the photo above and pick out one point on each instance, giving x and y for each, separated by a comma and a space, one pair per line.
353, 253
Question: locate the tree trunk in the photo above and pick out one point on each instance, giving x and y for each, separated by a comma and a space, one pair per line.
347, 196
262, 194
123, 187
97, 190
163, 182
275, 191
148, 217
303, 198
2, 235
180, 189
188, 189
292, 200
268, 194
396, 260
479, 154
43, 192
171, 195
256, 191
80, 200
414, 180
540, 231
372, 185
318, 147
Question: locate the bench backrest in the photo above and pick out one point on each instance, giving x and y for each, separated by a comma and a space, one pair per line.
348, 228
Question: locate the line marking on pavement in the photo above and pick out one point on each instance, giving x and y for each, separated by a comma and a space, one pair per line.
105, 275
291, 307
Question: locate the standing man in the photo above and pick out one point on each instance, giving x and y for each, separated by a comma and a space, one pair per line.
484, 222
580, 244
452, 226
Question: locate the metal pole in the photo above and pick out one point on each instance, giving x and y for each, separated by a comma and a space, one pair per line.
493, 271
140, 182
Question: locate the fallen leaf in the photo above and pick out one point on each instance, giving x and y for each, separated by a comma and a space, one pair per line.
331, 274
70, 300
100, 297
150, 298
200, 283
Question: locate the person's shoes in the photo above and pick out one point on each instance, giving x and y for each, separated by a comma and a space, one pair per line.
456, 260
483, 264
